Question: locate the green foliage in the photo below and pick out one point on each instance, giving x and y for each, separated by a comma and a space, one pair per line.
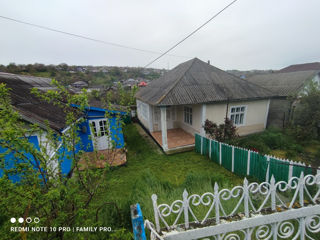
66, 75
222, 132
149, 171
306, 122
44, 191
121, 234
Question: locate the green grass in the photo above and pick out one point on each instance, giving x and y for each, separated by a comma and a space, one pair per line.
149, 171
282, 144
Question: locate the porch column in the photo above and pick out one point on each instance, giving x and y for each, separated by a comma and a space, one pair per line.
164, 128
203, 119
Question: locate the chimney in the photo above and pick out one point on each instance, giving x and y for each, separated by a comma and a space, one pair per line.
209, 62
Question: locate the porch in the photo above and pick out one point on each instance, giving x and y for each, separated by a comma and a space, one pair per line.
177, 139
99, 159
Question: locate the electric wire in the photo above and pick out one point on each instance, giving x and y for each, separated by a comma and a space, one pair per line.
85, 37
193, 32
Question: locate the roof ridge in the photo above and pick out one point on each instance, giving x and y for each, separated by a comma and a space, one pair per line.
243, 80
176, 82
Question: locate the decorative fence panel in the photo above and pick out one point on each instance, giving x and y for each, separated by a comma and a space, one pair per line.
268, 210
246, 162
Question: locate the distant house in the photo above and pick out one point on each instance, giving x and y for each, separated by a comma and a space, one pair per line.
142, 84
315, 66
286, 87
174, 107
97, 130
129, 83
80, 84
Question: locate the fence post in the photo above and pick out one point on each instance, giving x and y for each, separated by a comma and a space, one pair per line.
301, 189
317, 178
217, 202
185, 208
210, 142
246, 197
248, 163
201, 145
154, 198
302, 227
290, 170
137, 222
268, 169
220, 154
232, 167
273, 193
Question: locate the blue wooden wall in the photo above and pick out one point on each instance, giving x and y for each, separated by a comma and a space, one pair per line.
85, 136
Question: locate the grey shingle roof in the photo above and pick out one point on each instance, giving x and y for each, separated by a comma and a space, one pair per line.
283, 84
195, 82
301, 67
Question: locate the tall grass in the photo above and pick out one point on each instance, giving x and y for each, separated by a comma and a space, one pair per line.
167, 193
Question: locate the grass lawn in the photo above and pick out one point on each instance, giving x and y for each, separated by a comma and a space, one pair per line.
282, 144
149, 171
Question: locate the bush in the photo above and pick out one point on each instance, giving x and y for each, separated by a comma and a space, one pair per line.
222, 132
254, 145
290, 154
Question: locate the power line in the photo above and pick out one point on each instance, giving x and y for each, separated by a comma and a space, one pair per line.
189, 35
85, 37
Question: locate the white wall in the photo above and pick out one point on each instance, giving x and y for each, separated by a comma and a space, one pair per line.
255, 117
143, 113
196, 118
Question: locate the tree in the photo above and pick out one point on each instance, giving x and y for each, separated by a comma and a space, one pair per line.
306, 118
43, 191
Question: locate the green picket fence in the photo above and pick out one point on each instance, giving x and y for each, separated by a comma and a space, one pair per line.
246, 162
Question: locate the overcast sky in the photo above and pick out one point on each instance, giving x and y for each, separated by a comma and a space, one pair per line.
251, 34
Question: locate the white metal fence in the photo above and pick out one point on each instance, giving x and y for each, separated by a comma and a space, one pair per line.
269, 210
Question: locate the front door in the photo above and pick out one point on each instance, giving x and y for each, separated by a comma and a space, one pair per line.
100, 136
169, 115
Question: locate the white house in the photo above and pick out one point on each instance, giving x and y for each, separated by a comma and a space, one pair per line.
174, 107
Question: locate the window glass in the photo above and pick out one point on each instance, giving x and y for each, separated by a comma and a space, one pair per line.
94, 128
188, 115
237, 114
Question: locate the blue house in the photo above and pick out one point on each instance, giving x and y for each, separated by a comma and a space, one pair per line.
101, 129
98, 128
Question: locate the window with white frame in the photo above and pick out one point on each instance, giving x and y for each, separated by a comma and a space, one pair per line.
237, 115
188, 115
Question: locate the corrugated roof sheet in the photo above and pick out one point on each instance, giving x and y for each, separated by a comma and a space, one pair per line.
28, 105
196, 81
283, 84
